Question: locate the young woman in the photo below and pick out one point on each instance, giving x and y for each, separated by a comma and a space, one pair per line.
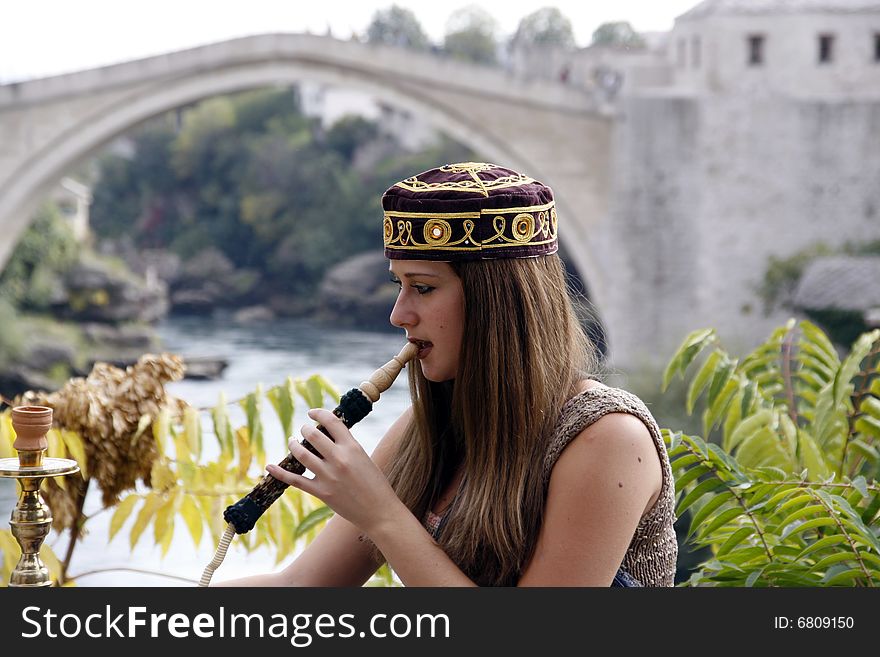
514, 465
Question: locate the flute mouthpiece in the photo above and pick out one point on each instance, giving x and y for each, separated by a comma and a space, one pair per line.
382, 378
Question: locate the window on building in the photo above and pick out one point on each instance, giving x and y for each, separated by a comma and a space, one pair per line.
695, 52
682, 53
756, 49
877, 46
826, 48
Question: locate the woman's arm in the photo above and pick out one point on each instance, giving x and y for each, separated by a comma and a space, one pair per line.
339, 555
606, 479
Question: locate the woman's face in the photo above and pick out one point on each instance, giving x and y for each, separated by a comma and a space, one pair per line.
430, 307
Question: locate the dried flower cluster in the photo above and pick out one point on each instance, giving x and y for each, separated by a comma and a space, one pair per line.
105, 409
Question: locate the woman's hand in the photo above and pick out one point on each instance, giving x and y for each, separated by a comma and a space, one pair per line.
346, 479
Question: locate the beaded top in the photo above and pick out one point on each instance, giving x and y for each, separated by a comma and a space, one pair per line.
652, 553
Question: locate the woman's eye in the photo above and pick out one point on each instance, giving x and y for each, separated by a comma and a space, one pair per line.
423, 289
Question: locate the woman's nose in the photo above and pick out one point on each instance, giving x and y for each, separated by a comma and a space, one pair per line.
401, 315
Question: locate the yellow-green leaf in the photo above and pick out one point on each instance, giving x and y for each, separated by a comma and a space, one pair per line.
163, 527
120, 515
77, 450
192, 429
161, 430
145, 515
192, 516
242, 438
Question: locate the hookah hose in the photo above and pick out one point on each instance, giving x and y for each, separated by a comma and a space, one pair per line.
354, 406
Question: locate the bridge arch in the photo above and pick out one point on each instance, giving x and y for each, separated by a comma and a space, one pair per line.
524, 126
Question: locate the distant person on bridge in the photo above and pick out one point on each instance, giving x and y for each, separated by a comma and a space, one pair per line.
514, 465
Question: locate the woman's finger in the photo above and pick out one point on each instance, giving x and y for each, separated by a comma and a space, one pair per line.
291, 479
310, 461
330, 422
318, 439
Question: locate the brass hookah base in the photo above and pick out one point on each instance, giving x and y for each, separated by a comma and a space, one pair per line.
31, 518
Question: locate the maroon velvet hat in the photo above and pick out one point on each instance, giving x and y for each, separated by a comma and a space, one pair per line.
469, 211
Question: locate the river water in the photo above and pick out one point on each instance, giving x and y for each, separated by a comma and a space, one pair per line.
265, 354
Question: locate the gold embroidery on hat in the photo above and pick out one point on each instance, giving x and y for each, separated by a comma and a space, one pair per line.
476, 184
527, 224
437, 232
523, 227
404, 226
460, 167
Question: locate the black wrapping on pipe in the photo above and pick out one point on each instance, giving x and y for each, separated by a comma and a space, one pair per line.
243, 515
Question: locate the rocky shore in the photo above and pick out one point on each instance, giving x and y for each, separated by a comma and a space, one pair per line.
107, 306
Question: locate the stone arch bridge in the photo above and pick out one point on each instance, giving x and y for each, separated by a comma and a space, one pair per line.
556, 133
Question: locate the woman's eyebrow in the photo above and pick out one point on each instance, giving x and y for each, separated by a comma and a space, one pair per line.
413, 274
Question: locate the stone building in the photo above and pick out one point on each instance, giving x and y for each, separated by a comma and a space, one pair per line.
764, 141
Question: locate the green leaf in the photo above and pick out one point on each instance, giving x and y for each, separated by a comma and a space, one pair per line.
685, 354
749, 427
823, 348
328, 387
699, 490
281, 398
794, 502
222, 428
689, 476
811, 456
708, 508
821, 544
844, 578
735, 539
315, 518
868, 425
251, 406
850, 366
832, 559
810, 510
722, 375
749, 394
714, 411
720, 520
805, 526
861, 485
868, 513
701, 380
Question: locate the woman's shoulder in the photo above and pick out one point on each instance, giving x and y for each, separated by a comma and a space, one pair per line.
601, 412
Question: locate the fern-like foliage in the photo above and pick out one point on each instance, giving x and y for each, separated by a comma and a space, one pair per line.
784, 491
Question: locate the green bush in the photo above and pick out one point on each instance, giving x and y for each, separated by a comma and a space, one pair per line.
786, 492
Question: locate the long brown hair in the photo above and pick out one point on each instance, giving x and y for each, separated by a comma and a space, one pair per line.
522, 354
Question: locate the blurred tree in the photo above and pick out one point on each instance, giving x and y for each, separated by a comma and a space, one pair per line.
43, 254
544, 27
619, 34
399, 27
470, 35
348, 133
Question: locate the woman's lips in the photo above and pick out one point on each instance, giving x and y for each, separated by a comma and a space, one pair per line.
424, 347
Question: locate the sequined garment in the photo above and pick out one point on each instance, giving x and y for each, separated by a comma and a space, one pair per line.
652, 553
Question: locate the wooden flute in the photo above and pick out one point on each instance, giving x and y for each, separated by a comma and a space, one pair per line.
353, 407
